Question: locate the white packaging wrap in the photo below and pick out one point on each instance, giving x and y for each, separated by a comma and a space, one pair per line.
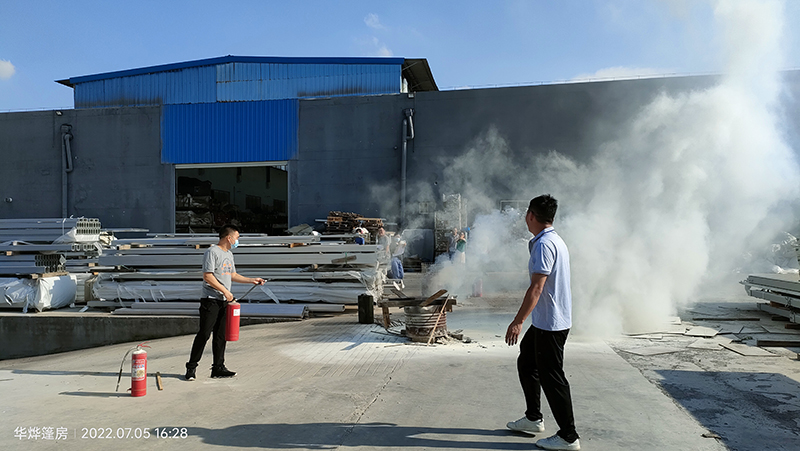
41, 294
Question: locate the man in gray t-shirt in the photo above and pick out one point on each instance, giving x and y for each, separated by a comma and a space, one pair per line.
218, 273
218, 262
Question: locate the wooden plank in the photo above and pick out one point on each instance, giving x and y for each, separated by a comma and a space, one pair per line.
748, 351
47, 274
159, 384
436, 324
435, 296
387, 319
400, 294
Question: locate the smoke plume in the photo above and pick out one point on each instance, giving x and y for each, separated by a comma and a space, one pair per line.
693, 182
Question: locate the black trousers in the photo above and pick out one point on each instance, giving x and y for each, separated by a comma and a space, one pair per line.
541, 368
212, 320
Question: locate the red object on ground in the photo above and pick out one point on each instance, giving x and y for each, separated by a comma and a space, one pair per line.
139, 373
232, 322
477, 288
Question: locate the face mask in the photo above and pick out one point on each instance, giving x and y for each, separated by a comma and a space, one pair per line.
235, 244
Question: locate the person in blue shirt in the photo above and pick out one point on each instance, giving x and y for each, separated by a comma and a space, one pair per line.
548, 301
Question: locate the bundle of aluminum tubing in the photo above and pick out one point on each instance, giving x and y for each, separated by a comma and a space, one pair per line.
32, 263
300, 268
48, 230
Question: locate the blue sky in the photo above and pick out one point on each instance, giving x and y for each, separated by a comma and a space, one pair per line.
467, 43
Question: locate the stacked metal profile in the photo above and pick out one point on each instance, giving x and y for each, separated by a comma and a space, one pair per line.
50, 230
38, 246
298, 268
782, 291
31, 263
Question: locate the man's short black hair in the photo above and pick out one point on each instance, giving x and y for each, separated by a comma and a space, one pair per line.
227, 229
544, 208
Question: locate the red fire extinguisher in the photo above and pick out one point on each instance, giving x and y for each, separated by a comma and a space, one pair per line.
477, 288
138, 370
232, 318
232, 321
139, 373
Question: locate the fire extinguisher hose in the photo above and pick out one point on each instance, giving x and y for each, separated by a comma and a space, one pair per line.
139, 346
251, 289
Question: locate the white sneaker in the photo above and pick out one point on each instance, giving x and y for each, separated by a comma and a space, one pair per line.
527, 426
556, 442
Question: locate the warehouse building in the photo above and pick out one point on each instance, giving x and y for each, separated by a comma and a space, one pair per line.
275, 142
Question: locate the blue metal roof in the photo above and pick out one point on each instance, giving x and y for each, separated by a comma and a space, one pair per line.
239, 79
265, 81
229, 132
233, 59
190, 85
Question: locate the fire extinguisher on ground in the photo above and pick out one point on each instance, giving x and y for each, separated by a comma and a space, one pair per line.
138, 370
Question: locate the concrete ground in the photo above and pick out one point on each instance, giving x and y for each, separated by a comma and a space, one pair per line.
331, 383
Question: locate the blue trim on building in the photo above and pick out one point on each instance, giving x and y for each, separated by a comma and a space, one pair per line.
230, 132
237, 59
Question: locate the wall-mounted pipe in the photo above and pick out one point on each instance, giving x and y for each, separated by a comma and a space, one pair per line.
408, 133
66, 165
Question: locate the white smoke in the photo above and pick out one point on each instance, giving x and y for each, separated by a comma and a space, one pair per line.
695, 180
620, 72
6, 70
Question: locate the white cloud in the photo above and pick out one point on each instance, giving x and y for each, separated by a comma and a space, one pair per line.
374, 22
620, 72
382, 49
6, 69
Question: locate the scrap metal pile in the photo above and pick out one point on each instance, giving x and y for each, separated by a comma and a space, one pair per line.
345, 222
425, 319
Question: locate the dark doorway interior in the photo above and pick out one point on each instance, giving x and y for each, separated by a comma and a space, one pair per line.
252, 197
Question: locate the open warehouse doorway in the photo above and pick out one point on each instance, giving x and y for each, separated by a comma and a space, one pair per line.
254, 196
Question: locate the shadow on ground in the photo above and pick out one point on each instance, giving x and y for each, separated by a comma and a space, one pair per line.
378, 435
747, 410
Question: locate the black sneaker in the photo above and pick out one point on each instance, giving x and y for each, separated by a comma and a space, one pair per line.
221, 371
190, 374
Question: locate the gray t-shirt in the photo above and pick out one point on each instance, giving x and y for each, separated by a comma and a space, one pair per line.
219, 262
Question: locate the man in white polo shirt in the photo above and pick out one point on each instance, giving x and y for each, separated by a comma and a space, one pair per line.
541, 352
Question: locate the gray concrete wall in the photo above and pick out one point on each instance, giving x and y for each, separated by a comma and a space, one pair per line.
349, 157
31, 334
117, 177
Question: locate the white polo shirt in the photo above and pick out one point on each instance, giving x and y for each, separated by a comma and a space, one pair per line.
549, 256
